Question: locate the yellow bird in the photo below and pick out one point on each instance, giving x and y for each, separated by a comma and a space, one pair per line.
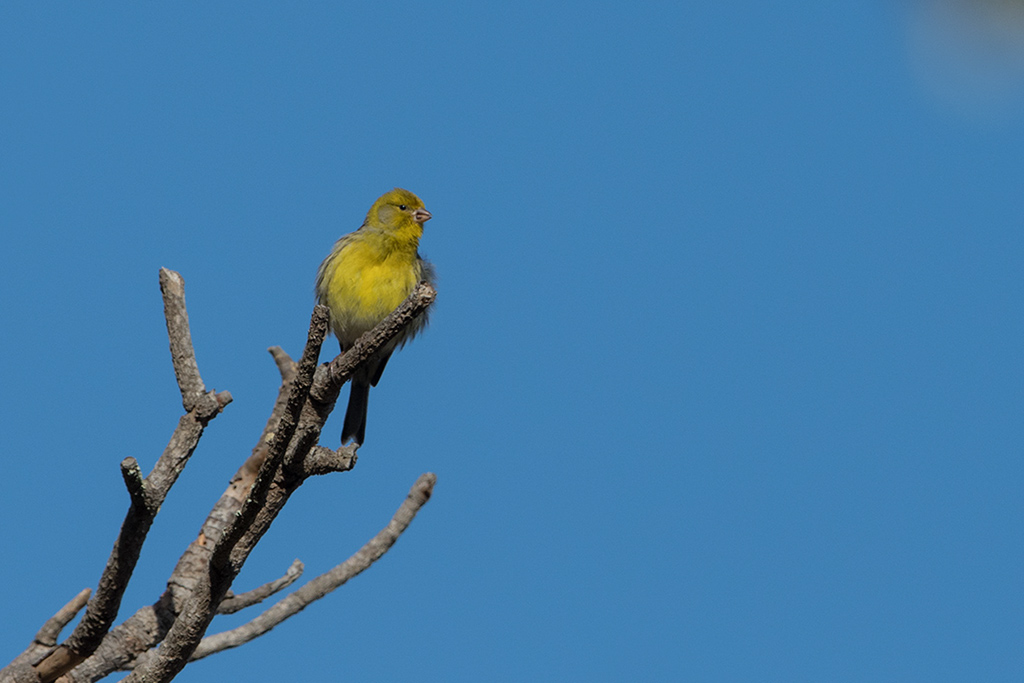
365, 277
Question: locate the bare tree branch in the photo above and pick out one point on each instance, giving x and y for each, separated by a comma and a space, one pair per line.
288, 369
209, 588
342, 367
327, 582
133, 482
148, 496
324, 461
315, 412
122, 644
235, 603
54, 625
284, 457
285, 365
332, 376
46, 638
183, 356
182, 444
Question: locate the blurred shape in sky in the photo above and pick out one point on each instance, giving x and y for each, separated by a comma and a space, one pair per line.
971, 54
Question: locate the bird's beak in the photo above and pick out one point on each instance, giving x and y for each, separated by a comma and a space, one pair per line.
421, 215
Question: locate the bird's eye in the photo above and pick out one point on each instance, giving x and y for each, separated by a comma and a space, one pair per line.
402, 207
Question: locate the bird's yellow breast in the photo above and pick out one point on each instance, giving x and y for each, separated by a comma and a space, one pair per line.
364, 282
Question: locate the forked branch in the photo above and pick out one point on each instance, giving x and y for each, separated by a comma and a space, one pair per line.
236, 603
158, 640
327, 582
146, 496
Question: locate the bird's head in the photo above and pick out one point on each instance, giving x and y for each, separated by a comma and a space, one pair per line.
398, 209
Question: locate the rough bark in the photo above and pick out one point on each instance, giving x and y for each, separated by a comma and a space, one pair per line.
158, 640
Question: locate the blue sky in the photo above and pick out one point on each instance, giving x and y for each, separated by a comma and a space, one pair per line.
724, 379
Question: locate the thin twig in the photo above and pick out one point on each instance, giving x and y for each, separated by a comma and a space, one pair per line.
327, 582
235, 603
47, 636
285, 365
183, 443
54, 625
288, 369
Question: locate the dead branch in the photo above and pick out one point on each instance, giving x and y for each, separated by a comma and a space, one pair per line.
327, 582
284, 457
54, 625
147, 496
324, 461
285, 365
236, 603
132, 476
183, 356
332, 376
46, 638
210, 585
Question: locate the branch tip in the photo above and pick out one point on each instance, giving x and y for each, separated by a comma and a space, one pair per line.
321, 460
235, 603
54, 625
183, 356
325, 583
424, 486
132, 476
285, 365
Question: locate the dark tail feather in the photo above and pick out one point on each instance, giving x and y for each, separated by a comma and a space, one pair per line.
379, 370
355, 416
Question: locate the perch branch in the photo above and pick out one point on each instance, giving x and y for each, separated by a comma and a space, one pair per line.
200, 580
315, 412
330, 377
342, 367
